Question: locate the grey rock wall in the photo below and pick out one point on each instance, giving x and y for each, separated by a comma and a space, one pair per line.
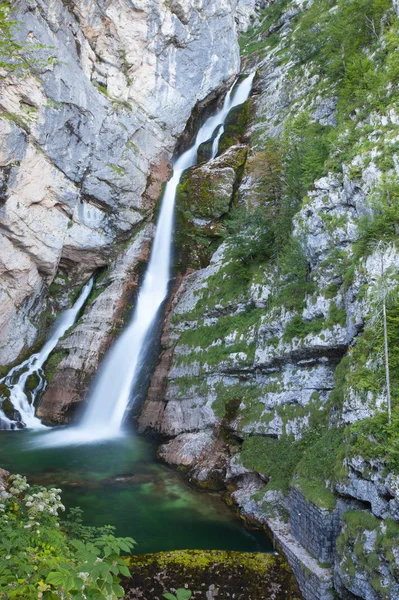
315, 528
240, 365
88, 133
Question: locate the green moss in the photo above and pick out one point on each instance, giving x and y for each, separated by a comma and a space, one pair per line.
300, 328
235, 126
201, 205
32, 382
118, 169
253, 574
317, 466
351, 546
204, 336
7, 407
51, 365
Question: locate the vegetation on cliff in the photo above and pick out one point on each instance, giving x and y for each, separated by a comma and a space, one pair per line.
282, 337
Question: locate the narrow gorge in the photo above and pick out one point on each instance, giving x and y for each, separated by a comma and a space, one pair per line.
199, 266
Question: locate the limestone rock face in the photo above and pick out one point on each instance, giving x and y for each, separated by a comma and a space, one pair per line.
77, 356
247, 11
204, 198
254, 357
87, 140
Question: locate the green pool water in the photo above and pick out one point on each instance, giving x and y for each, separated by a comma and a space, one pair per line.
121, 483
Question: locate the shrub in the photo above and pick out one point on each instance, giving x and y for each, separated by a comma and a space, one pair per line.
382, 221
251, 237
15, 56
39, 557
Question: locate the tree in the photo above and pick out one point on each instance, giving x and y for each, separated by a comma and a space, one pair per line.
16, 56
382, 247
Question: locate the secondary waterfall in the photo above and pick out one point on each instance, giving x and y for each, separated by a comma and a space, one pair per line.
17, 377
111, 390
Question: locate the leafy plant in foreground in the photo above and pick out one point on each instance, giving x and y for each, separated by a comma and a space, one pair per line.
39, 558
181, 594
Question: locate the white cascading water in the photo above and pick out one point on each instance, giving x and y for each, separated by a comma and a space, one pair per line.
34, 364
111, 391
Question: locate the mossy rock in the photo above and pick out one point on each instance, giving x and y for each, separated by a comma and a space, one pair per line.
205, 152
204, 198
206, 191
235, 126
9, 410
4, 391
51, 365
32, 382
234, 574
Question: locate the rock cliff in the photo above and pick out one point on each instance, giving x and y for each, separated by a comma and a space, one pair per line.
88, 125
272, 377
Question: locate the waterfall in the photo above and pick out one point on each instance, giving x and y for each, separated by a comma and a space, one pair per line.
17, 377
111, 390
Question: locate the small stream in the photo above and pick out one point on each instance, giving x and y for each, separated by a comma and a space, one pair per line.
121, 483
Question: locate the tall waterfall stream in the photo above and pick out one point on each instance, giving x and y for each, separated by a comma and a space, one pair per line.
110, 394
117, 480
17, 377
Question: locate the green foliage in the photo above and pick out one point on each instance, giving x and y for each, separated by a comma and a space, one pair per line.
256, 38
294, 282
181, 594
299, 328
16, 57
39, 557
317, 466
265, 167
362, 369
10, 51
277, 459
251, 236
382, 222
202, 338
375, 438
337, 316
336, 40
305, 148
353, 547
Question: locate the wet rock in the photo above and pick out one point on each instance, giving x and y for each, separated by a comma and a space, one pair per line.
203, 453
205, 195
80, 351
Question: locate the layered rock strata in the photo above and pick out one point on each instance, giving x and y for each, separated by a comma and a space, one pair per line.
275, 380
88, 132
